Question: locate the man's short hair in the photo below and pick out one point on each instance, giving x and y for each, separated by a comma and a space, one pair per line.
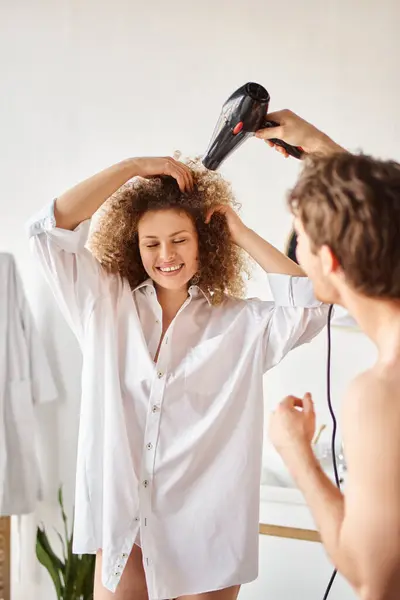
351, 203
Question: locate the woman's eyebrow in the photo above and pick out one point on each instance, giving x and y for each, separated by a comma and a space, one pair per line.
154, 237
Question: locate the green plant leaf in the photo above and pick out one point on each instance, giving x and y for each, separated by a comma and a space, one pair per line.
84, 581
63, 544
88, 588
41, 537
64, 516
46, 561
71, 567
73, 578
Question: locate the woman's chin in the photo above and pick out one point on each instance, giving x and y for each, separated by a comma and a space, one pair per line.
172, 282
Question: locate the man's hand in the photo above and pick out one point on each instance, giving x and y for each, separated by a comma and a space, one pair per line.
297, 132
237, 228
292, 424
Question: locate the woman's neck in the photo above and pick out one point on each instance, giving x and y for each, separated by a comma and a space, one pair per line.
170, 302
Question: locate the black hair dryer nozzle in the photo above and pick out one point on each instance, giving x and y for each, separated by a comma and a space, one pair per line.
244, 113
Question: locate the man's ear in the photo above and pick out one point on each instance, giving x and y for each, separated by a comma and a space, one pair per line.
329, 262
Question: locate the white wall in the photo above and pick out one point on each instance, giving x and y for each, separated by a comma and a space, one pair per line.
294, 569
85, 84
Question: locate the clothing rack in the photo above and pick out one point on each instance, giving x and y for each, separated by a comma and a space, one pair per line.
5, 558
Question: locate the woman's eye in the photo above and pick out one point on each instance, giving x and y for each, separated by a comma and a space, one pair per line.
179, 241
151, 245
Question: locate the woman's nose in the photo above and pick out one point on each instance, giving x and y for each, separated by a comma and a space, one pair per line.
167, 252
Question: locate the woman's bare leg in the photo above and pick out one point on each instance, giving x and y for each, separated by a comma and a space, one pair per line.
230, 593
133, 582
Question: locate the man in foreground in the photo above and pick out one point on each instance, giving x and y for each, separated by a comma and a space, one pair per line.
347, 219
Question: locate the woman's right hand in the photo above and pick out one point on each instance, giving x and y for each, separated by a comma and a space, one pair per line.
152, 166
84, 199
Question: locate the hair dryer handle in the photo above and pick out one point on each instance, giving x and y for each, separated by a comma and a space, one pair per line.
294, 151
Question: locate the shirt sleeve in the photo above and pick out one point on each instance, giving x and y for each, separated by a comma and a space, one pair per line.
42, 382
72, 272
293, 318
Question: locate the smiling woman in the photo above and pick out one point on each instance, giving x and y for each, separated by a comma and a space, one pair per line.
168, 243
150, 229
173, 365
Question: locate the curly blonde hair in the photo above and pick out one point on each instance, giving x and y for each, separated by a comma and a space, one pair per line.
115, 243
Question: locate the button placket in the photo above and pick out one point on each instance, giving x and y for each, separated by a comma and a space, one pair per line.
151, 433
156, 318
151, 436
120, 564
153, 420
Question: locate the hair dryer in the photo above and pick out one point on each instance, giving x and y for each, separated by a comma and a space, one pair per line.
244, 113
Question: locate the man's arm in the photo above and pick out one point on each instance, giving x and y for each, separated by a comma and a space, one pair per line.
327, 505
298, 132
361, 530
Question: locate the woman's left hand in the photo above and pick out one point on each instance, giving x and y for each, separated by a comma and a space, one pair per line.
236, 226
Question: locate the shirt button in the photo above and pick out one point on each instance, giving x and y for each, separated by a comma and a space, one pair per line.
160, 374
124, 556
136, 519
155, 409
146, 483
49, 222
158, 322
149, 446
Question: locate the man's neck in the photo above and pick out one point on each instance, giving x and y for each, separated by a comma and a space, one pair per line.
380, 321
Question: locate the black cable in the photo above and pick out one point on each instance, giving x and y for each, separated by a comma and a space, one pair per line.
328, 589
334, 429
328, 394
291, 252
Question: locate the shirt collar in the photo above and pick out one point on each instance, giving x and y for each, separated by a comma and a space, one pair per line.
146, 283
194, 290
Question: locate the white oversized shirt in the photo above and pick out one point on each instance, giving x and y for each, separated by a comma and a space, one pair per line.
171, 449
25, 381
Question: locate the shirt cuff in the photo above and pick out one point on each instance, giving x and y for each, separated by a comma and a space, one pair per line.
69, 240
292, 291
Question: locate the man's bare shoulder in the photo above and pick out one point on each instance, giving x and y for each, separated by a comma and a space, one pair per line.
374, 387
371, 406
371, 423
